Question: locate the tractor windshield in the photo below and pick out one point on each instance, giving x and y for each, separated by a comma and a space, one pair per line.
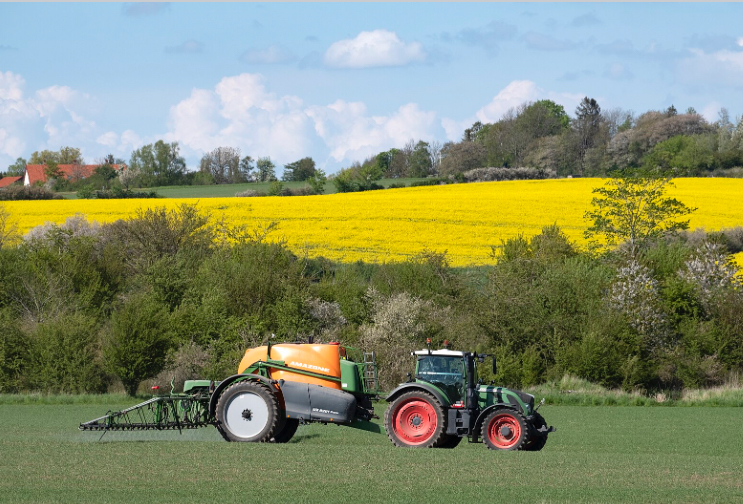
445, 372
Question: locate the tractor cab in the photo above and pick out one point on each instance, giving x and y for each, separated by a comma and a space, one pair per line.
444, 369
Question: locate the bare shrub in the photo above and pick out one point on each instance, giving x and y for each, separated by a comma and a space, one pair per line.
498, 174
635, 294
712, 272
76, 226
398, 323
329, 316
187, 362
249, 193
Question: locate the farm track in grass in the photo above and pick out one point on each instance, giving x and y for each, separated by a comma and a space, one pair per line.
598, 454
392, 225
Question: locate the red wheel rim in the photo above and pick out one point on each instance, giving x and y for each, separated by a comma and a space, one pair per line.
414, 421
504, 431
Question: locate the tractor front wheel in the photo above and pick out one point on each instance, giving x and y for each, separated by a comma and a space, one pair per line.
248, 411
539, 439
505, 429
416, 419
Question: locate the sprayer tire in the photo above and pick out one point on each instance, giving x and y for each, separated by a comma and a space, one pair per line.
248, 411
287, 432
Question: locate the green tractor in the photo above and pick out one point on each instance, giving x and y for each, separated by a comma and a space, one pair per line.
446, 402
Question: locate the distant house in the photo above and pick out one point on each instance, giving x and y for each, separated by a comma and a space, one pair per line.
8, 181
37, 172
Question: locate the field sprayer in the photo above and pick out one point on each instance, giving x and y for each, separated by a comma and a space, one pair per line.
277, 388
446, 402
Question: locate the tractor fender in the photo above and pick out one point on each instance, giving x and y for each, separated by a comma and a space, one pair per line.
408, 387
240, 377
481, 417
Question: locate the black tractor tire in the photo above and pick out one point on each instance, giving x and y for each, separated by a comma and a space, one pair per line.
451, 442
506, 429
539, 438
287, 432
416, 419
248, 411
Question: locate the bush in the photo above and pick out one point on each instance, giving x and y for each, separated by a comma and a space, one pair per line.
276, 188
17, 192
14, 354
140, 338
115, 192
65, 356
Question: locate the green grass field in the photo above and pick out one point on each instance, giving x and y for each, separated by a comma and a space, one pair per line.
599, 454
229, 190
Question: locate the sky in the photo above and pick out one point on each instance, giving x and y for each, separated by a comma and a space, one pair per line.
342, 81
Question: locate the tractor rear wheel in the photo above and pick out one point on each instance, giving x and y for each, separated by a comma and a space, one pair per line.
416, 419
539, 434
506, 429
287, 432
248, 411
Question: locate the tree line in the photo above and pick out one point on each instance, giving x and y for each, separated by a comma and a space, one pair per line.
538, 135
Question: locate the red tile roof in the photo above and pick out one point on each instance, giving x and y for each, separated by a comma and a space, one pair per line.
36, 172
6, 181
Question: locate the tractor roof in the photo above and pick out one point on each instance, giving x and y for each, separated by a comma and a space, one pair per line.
447, 353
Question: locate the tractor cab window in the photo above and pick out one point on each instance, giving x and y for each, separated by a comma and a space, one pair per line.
445, 372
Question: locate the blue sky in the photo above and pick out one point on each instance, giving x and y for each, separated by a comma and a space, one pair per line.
341, 81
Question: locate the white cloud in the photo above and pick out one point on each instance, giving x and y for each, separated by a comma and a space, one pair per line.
713, 68
740, 41
513, 95
240, 112
46, 119
378, 48
352, 133
711, 110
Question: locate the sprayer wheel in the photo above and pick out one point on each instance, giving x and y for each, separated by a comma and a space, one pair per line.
248, 411
287, 432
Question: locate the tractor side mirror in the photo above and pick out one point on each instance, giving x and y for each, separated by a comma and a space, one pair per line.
495, 366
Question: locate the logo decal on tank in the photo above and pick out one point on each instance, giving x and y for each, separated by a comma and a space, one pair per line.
309, 366
327, 412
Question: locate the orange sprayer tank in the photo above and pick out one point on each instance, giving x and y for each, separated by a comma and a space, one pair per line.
321, 359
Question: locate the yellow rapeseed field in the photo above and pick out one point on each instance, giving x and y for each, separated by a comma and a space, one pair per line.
391, 225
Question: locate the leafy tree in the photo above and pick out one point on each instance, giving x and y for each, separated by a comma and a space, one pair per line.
633, 209
461, 157
246, 169
159, 163
106, 172
266, 169
420, 161
470, 134
140, 340
586, 125
317, 182
18, 168
52, 170
223, 164
299, 170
